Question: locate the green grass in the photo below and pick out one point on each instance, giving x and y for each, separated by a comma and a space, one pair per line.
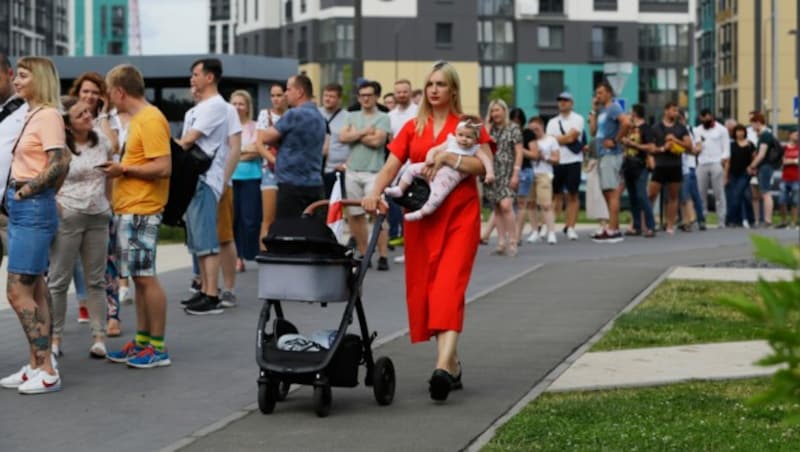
683, 312
697, 416
169, 234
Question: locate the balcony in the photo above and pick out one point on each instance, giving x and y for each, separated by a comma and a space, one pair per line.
600, 51
678, 55
493, 51
655, 6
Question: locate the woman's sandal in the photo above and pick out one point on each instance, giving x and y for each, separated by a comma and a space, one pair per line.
113, 328
484, 241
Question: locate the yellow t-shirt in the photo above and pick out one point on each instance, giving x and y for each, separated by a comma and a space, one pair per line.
148, 138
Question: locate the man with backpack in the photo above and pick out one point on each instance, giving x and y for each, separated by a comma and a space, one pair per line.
769, 158
567, 128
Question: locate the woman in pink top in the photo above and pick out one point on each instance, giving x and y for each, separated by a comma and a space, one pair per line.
39, 165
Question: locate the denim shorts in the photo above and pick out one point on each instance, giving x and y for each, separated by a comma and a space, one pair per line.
525, 182
137, 236
268, 179
790, 194
765, 173
201, 222
32, 225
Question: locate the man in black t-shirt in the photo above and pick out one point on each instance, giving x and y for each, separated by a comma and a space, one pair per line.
671, 140
638, 144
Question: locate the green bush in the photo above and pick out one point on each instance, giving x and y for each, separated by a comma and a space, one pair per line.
778, 312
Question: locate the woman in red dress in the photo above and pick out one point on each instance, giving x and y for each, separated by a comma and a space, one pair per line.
440, 249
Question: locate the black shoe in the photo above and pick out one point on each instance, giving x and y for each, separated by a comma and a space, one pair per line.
440, 385
702, 226
195, 286
206, 306
193, 299
383, 264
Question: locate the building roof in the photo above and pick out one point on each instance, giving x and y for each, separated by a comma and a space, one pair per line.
239, 67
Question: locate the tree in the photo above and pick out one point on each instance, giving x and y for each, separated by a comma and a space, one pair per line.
504, 93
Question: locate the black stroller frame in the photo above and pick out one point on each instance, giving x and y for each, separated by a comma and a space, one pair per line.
279, 369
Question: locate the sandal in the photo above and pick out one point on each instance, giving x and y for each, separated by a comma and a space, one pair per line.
484, 241
113, 328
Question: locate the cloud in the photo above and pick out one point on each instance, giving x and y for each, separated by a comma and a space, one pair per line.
171, 27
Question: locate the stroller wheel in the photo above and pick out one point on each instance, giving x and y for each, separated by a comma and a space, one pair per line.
383, 381
283, 390
322, 400
267, 397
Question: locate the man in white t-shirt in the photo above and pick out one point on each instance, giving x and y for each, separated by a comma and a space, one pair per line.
715, 151
206, 126
12, 117
403, 111
567, 128
545, 153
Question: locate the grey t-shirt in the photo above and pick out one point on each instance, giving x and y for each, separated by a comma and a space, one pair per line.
338, 152
363, 157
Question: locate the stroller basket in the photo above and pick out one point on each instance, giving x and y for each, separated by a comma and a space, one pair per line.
342, 369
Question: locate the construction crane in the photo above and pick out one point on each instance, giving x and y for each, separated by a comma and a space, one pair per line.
134, 29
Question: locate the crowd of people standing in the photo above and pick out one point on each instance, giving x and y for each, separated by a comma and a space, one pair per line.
88, 179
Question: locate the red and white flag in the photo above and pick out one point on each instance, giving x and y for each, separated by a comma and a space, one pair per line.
335, 214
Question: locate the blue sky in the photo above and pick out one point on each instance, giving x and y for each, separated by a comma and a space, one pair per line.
174, 26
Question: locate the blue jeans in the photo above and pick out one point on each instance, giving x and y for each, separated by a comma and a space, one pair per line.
32, 225
637, 193
201, 222
740, 200
79, 279
689, 190
246, 217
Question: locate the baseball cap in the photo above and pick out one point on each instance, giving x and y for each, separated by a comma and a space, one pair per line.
565, 96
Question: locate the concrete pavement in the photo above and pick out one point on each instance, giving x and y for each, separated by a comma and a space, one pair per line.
514, 336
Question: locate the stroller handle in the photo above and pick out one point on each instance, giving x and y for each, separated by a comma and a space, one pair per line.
382, 206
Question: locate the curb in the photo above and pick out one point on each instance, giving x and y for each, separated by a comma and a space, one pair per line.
481, 440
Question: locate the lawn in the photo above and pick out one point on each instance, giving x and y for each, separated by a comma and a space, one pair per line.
169, 234
683, 312
707, 416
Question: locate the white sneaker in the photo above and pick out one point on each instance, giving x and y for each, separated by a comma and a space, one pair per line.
98, 350
571, 234
534, 237
746, 224
40, 383
17, 378
551, 238
125, 295
401, 259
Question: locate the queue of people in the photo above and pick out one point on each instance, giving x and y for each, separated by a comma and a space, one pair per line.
89, 180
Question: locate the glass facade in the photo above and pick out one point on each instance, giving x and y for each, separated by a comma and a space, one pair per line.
496, 46
664, 64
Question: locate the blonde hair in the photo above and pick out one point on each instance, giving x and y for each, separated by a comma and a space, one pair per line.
127, 78
46, 85
499, 103
248, 100
453, 82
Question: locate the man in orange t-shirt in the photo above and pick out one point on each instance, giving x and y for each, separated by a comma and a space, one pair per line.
141, 188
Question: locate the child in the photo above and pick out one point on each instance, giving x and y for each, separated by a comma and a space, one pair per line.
545, 154
463, 143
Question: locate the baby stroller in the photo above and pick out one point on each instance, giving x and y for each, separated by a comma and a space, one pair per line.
304, 262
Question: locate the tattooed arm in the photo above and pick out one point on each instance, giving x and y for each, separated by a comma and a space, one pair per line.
51, 177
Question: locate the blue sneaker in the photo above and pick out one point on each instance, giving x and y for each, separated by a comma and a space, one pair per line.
129, 350
149, 357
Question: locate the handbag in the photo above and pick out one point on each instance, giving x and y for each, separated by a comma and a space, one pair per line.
576, 146
187, 167
415, 195
3, 201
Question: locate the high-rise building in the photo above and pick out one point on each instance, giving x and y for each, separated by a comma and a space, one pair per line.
705, 54
744, 59
222, 25
533, 48
34, 27
99, 27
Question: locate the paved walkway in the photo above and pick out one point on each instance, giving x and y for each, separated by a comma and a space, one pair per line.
661, 365
521, 325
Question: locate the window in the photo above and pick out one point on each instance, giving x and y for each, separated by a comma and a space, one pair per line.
496, 75
303, 6
551, 6
496, 8
118, 22
495, 39
444, 34
225, 39
255, 7
605, 5
103, 20
551, 84
244, 10
605, 43
551, 37
290, 42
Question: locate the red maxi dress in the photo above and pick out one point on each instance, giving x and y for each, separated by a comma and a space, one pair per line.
440, 249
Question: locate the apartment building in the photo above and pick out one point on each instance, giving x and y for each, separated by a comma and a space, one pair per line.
222, 25
34, 27
537, 47
744, 56
99, 27
705, 45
